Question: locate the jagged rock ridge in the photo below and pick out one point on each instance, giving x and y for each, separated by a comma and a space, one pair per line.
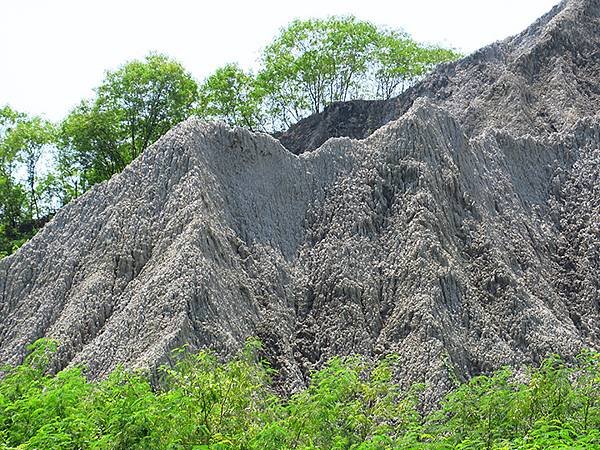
463, 234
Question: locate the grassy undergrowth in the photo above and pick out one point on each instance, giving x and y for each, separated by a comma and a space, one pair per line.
207, 404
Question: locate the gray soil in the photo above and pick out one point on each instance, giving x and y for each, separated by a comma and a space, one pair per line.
457, 224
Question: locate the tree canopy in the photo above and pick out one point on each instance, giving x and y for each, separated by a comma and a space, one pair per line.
134, 106
23, 141
313, 63
231, 95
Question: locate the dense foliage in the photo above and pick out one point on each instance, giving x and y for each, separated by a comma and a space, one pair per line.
134, 106
25, 192
233, 96
310, 64
202, 403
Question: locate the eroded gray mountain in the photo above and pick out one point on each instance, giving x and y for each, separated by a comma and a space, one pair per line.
464, 233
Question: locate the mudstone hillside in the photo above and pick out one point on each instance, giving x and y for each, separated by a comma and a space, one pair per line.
457, 224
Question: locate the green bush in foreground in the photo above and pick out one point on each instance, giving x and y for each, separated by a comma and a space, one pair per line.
206, 404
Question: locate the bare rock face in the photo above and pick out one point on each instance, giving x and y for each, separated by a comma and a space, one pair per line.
464, 233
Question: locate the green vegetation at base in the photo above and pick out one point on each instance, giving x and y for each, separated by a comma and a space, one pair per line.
313, 63
203, 403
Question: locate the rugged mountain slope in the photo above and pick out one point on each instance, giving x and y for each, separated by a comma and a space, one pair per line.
464, 234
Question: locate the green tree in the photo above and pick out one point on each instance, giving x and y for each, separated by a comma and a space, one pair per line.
220, 405
92, 148
9, 119
13, 200
149, 97
134, 106
232, 95
12, 197
200, 402
432, 55
27, 141
314, 62
350, 403
398, 61
395, 63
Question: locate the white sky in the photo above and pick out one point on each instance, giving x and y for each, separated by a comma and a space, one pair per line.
54, 52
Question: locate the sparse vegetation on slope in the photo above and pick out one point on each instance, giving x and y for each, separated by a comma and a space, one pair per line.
203, 403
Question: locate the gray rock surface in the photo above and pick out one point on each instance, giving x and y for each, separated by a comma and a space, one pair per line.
464, 233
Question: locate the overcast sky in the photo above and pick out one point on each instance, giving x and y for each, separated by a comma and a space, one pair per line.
53, 53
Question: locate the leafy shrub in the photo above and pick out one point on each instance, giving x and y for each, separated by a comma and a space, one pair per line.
351, 403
